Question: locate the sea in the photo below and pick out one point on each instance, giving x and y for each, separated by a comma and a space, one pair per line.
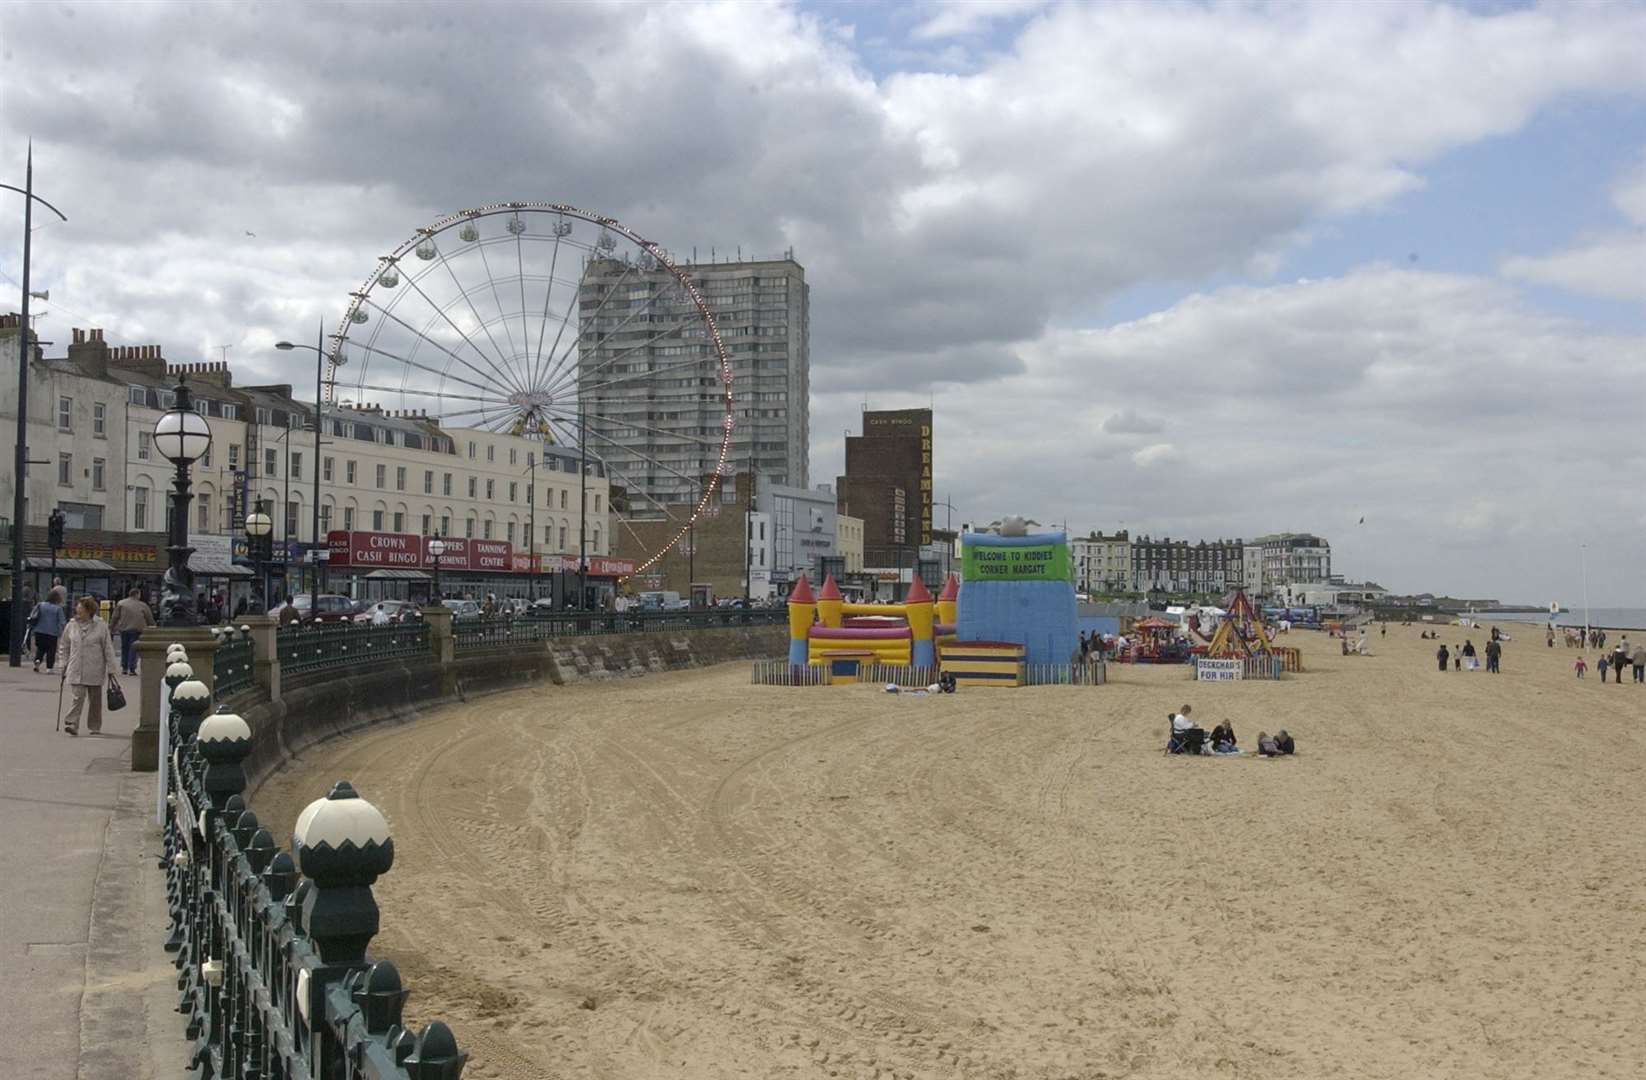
1609, 618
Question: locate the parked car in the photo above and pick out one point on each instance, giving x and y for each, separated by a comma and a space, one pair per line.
397, 610
463, 609
333, 608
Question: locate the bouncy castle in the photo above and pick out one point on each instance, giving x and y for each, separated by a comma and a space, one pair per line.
823, 626
1015, 607
1017, 588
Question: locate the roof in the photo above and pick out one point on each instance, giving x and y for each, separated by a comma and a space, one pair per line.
387, 574
206, 566
83, 565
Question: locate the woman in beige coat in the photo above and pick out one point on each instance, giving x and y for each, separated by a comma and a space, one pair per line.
88, 664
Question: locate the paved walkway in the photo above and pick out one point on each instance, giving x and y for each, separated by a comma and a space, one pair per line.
84, 983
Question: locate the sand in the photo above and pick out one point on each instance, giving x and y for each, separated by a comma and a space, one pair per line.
686, 876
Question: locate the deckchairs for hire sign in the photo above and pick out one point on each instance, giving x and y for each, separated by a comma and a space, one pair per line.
1028, 562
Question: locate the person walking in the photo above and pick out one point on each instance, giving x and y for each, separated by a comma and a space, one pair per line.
131, 617
1494, 654
1443, 655
1620, 660
1601, 663
1638, 660
46, 621
88, 660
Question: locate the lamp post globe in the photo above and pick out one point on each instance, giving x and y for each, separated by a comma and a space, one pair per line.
182, 437
437, 548
259, 526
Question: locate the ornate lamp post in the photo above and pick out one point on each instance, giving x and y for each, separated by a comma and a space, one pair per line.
182, 437
437, 548
258, 529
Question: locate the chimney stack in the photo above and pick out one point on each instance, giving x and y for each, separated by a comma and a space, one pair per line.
90, 353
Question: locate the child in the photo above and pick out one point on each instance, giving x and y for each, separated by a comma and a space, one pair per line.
1580, 667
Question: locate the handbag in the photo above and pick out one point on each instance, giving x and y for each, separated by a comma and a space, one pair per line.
117, 696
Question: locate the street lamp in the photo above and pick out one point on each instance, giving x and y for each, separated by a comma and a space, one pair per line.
258, 528
182, 437
21, 465
437, 548
337, 358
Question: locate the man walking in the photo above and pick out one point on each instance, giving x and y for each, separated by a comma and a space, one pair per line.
131, 617
1494, 650
1638, 659
1620, 660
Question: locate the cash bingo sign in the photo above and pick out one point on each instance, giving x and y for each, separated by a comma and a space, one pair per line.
374, 550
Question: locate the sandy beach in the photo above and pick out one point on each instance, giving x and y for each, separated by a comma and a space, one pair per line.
686, 876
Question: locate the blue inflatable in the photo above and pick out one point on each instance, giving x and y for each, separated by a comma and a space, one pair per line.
1019, 589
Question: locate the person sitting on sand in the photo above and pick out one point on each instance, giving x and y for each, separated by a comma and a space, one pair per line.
1284, 742
1186, 735
1223, 739
1266, 745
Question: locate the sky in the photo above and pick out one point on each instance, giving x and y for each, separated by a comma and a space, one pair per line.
1189, 269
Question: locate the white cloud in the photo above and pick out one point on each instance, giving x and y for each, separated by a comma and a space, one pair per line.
947, 221
963, 18
1132, 422
1610, 265
1155, 454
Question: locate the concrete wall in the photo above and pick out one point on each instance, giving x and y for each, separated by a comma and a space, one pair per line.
335, 703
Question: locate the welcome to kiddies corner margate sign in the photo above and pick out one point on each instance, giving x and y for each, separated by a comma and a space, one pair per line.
405, 551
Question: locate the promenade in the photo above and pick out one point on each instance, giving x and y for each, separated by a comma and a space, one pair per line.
85, 987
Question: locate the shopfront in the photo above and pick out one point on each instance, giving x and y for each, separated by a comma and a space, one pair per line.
95, 563
374, 566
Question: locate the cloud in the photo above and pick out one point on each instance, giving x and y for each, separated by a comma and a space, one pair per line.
1131, 422
1611, 265
963, 18
1155, 454
957, 223
1440, 406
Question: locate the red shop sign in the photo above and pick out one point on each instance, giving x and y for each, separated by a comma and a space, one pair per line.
374, 549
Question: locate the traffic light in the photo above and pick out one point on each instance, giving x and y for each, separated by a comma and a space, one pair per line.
54, 530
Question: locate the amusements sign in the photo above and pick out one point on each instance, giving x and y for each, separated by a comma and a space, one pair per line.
1218, 670
1034, 562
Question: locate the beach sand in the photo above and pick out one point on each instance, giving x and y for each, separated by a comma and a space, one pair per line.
686, 876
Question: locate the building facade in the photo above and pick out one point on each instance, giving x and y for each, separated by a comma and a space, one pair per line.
1207, 567
1295, 558
888, 481
92, 414
848, 542
652, 396
1102, 563
802, 530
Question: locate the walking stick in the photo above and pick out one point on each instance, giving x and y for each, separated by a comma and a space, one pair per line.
60, 684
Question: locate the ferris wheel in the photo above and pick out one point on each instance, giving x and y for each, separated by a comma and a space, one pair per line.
553, 323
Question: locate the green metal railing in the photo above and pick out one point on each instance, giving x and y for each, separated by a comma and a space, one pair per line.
231, 665
470, 635
339, 645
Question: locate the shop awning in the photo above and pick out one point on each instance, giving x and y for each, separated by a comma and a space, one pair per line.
397, 575
217, 568
80, 566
